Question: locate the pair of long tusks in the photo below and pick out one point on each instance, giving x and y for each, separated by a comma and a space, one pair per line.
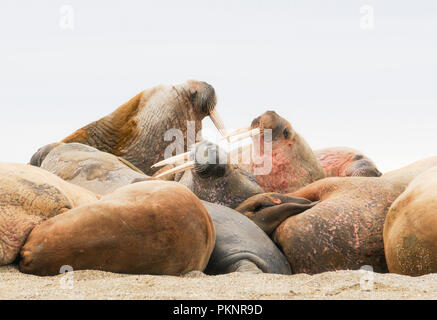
240, 134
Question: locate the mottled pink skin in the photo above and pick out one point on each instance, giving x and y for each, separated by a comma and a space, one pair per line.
294, 164
343, 231
346, 162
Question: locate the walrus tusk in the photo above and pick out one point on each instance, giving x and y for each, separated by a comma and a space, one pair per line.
244, 135
237, 132
183, 167
218, 122
173, 160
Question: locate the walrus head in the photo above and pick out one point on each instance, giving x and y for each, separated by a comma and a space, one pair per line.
211, 177
360, 166
38, 158
293, 163
281, 129
204, 100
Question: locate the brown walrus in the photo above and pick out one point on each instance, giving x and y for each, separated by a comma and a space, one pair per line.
152, 227
136, 130
28, 196
346, 162
405, 175
342, 231
410, 230
294, 164
85, 166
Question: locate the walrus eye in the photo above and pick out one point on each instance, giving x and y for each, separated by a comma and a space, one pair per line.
286, 133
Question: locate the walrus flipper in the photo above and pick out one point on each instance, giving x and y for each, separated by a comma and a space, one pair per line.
269, 210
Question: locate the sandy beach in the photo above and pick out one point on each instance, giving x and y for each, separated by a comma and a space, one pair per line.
196, 285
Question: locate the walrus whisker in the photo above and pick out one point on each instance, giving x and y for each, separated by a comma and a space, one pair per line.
218, 122
183, 167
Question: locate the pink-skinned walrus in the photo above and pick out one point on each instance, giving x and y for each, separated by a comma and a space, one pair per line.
152, 227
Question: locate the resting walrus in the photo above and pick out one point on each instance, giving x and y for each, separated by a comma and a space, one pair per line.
410, 230
241, 246
152, 227
85, 166
136, 130
28, 196
346, 162
342, 231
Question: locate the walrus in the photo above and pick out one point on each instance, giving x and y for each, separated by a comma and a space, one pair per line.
211, 176
241, 246
346, 162
293, 163
88, 167
342, 231
150, 227
28, 196
136, 130
405, 175
410, 229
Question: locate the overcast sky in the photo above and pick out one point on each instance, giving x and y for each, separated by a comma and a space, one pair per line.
337, 82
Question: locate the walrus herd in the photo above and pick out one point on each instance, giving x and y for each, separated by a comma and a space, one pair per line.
126, 194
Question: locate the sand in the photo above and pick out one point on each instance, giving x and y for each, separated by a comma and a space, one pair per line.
196, 285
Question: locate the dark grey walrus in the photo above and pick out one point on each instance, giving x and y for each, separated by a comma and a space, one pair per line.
241, 246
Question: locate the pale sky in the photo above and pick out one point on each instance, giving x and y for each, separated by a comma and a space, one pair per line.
310, 61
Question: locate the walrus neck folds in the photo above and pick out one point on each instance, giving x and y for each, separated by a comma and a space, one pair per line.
112, 131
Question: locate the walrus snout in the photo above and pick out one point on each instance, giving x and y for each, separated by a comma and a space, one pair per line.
363, 168
209, 160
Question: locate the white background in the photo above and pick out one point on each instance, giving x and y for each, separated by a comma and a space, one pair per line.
338, 85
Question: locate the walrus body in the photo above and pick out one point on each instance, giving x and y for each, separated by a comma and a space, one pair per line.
85, 166
410, 230
405, 175
346, 162
152, 227
342, 231
137, 130
241, 246
294, 164
28, 196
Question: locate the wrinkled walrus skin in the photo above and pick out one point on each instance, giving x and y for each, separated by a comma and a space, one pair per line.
346, 162
87, 167
152, 227
294, 164
28, 196
410, 230
343, 231
136, 130
241, 246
